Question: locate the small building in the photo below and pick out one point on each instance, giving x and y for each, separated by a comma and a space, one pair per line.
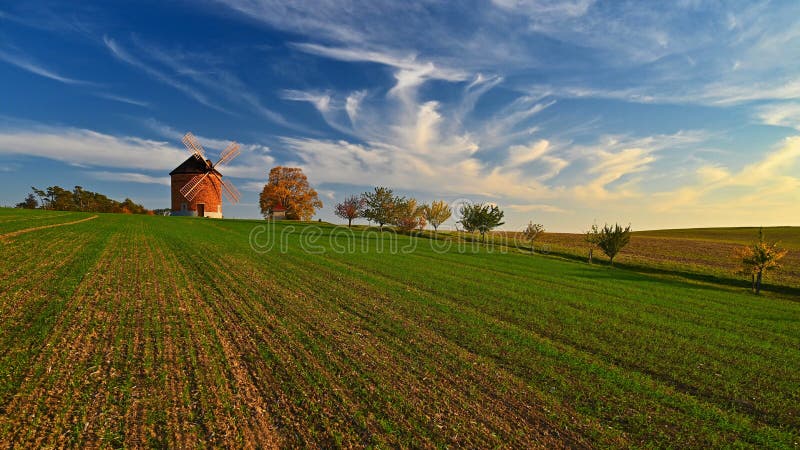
278, 212
207, 201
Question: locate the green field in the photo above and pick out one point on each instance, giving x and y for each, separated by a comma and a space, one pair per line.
174, 332
700, 254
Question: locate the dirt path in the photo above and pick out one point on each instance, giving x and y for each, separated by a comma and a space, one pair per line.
27, 230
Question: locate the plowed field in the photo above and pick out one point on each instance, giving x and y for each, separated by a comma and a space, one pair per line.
131, 331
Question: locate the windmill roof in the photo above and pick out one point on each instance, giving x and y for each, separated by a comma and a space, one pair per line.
193, 165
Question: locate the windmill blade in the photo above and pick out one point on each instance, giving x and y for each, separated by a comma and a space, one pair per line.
194, 147
190, 189
228, 154
230, 191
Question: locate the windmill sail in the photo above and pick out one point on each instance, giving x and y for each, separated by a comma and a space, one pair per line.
230, 191
195, 185
228, 154
193, 145
190, 190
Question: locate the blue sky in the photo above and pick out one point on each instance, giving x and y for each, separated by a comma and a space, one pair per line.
668, 114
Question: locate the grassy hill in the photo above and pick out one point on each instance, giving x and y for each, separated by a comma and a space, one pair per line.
698, 254
131, 330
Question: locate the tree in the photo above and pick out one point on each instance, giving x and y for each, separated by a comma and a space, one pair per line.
60, 199
29, 202
79, 199
592, 238
288, 187
613, 239
758, 258
407, 214
480, 217
380, 205
531, 232
422, 223
42, 197
351, 208
436, 213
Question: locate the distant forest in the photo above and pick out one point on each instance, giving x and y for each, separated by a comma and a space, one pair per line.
79, 199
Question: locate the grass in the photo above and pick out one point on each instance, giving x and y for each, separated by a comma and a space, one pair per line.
703, 254
159, 331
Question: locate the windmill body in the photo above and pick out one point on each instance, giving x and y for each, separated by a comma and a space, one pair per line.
197, 185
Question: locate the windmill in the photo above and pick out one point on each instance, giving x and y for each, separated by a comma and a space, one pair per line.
197, 184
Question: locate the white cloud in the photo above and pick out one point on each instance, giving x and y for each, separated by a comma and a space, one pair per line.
90, 148
322, 102
768, 188
522, 154
410, 71
129, 177
123, 55
122, 99
780, 114
31, 66
552, 8
253, 162
527, 208
342, 162
353, 103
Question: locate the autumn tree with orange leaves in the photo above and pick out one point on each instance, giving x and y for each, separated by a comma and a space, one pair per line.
288, 187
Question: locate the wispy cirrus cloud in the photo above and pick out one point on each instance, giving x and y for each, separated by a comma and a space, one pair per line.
28, 64
122, 99
321, 101
253, 162
132, 159
764, 192
125, 56
780, 114
89, 148
173, 67
128, 177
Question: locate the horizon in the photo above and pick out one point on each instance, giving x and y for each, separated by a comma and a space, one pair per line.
564, 113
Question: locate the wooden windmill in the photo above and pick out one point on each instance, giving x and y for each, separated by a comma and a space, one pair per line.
197, 185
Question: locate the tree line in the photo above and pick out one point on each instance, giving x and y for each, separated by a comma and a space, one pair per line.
383, 207
57, 198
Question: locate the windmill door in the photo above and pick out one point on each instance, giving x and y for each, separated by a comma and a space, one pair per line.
201, 210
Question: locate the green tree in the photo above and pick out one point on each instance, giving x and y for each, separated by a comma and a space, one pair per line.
42, 197
613, 239
29, 202
60, 199
480, 217
79, 199
380, 205
592, 238
436, 213
759, 257
532, 232
407, 215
